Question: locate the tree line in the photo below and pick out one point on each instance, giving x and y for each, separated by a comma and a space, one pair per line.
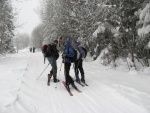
116, 28
6, 27
110, 25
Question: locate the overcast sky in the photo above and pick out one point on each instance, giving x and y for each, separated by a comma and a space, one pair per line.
27, 14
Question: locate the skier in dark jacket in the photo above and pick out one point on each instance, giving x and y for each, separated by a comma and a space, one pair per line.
52, 56
30, 49
33, 49
68, 52
79, 63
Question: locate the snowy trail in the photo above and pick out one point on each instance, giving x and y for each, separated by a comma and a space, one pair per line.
103, 95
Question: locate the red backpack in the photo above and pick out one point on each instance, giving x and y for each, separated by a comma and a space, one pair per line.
44, 48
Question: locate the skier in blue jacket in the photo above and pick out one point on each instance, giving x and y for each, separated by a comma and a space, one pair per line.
67, 54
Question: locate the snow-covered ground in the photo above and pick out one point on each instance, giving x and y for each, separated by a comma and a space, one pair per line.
109, 90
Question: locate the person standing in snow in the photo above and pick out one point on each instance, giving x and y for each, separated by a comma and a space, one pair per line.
79, 63
67, 54
30, 49
52, 56
33, 49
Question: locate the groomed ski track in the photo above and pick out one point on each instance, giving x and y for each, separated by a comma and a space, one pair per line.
101, 96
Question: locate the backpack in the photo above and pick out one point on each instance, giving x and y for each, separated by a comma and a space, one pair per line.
50, 51
81, 53
85, 51
74, 58
44, 48
77, 54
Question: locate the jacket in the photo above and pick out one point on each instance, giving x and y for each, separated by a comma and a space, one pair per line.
68, 51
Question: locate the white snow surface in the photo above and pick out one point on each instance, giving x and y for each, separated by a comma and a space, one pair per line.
109, 90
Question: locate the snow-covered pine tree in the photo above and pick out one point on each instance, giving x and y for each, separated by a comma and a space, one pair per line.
6, 27
143, 39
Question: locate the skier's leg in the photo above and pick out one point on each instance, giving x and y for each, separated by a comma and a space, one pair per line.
67, 69
76, 71
81, 71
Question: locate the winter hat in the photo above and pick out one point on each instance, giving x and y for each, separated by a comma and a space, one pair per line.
68, 42
78, 43
56, 41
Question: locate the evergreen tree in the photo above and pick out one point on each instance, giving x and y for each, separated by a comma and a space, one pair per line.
6, 26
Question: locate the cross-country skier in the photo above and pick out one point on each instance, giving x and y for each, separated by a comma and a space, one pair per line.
52, 56
67, 54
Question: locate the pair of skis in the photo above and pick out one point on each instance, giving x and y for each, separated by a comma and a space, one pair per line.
68, 89
82, 84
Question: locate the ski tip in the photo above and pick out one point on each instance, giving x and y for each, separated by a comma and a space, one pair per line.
63, 82
79, 91
86, 85
80, 84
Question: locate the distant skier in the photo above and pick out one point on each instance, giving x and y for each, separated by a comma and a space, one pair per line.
30, 49
33, 49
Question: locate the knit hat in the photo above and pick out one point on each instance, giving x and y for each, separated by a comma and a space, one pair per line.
68, 42
56, 41
78, 43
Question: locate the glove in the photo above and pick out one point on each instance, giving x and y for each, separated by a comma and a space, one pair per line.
64, 55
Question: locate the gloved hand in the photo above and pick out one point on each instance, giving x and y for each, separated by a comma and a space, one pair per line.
64, 55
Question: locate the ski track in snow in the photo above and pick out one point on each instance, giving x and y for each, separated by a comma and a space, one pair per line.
34, 96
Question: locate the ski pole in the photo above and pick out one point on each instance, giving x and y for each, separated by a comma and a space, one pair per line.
44, 60
43, 71
58, 75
